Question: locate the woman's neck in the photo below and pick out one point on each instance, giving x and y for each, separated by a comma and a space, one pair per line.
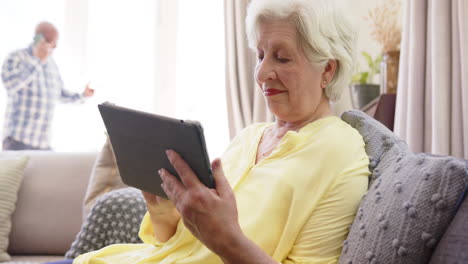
281, 127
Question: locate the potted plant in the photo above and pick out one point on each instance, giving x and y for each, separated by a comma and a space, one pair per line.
363, 91
386, 30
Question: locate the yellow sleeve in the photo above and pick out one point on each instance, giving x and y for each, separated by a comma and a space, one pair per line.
146, 232
321, 238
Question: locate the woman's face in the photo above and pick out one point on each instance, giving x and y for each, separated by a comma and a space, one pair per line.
290, 84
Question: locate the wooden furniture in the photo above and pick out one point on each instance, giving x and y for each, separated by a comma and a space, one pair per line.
382, 109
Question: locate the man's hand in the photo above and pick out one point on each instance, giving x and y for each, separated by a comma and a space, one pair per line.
88, 92
42, 50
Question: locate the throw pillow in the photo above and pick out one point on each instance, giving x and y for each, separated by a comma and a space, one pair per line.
11, 175
104, 178
115, 218
411, 200
453, 247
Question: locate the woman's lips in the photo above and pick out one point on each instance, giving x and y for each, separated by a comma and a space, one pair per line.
270, 92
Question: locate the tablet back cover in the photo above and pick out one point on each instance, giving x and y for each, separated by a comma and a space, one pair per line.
140, 140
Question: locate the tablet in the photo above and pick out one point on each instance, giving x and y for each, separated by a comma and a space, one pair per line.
140, 141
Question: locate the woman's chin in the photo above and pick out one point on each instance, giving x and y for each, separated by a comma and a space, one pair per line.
278, 112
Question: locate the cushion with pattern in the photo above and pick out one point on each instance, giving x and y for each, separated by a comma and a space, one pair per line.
115, 218
453, 247
411, 200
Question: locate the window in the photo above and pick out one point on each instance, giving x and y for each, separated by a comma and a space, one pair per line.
200, 70
161, 56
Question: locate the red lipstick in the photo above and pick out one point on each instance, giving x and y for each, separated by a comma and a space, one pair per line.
271, 92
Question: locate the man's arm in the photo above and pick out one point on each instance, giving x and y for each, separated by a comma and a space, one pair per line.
71, 97
65, 95
18, 72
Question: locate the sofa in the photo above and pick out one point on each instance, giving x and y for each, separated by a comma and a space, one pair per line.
48, 212
414, 211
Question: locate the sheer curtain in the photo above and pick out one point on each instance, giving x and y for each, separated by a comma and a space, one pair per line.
432, 99
246, 104
200, 82
162, 56
113, 49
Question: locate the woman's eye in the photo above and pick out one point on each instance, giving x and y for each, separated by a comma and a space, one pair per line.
260, 57
282, 60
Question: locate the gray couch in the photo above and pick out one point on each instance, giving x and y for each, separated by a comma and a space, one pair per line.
405, 216
414, 211
49, 207
407, 213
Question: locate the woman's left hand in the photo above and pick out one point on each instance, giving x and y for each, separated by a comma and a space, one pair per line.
210, 214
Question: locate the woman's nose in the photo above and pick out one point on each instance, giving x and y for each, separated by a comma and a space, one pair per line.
264, 71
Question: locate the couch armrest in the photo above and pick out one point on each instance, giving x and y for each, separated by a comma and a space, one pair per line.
48, 211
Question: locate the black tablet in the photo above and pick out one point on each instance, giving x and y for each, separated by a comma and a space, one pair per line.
140, 141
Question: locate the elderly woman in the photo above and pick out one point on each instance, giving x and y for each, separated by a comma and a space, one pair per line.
286, 192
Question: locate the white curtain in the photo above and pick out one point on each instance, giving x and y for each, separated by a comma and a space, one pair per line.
165, 47
102, 45
245, 102
432, 97
160, 56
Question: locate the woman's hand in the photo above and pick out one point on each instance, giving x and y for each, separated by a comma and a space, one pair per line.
164, 216
210, 214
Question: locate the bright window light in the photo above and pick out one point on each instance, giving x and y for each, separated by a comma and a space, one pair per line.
200, 70
121, 50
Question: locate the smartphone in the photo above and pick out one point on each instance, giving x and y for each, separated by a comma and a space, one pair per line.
38, 38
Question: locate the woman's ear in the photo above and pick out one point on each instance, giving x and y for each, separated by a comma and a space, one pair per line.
329, 72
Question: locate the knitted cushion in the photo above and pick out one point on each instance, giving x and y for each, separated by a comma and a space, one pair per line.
411, 200
115, 218
453, 247
11, 176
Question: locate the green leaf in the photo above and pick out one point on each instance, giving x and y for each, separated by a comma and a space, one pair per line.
356, 77
368, 58
360, 77
377, 62
364, 77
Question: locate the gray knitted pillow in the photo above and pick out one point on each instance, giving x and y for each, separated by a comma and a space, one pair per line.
115, 218
453, 246
411, 200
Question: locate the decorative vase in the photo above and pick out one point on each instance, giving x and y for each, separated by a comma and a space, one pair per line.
389, 72
362, 94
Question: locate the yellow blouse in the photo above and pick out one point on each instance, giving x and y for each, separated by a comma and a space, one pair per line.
296, 204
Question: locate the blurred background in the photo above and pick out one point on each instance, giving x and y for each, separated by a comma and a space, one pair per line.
161, 56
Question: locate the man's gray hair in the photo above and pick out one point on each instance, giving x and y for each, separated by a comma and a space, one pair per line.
324, 34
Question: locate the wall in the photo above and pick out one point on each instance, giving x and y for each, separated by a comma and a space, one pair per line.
357, 10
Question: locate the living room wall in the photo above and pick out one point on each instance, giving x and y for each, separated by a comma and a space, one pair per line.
357, 11
94, 47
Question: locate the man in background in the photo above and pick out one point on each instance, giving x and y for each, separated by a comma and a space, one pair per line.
34, 86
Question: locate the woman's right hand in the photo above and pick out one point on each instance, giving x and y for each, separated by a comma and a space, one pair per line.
164, 216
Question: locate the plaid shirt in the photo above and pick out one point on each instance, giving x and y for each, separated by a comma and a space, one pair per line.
33, 89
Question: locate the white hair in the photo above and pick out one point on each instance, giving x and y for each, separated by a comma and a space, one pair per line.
324, 34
